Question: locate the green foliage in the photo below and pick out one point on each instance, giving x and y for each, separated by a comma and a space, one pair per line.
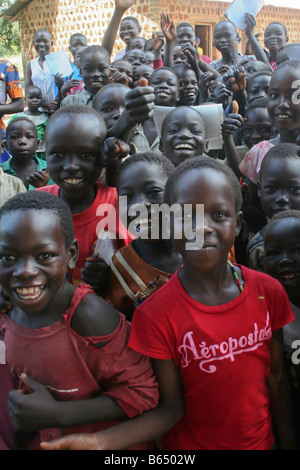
9, 33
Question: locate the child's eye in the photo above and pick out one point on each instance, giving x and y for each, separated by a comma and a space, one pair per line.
106, 109
87, 155
7, 258
57, 154
295, 189
196, 130
45, 256
220, 215
270, 188
172, 130
272, 95
154, 191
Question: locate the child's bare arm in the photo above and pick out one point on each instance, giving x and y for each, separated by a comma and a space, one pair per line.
280, 393
28, 79
229, 127
111, 32
143, 428
257, 49
169, 32
38, 410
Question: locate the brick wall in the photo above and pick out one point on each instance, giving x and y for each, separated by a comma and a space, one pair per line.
91, 17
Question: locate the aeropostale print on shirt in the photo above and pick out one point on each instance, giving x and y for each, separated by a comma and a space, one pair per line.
208, 354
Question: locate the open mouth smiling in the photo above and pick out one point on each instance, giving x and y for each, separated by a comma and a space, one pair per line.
29, 293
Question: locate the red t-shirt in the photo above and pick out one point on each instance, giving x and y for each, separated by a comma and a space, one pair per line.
222, 353
73, 368
87, 224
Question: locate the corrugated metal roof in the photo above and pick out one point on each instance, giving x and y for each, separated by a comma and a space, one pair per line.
14, 9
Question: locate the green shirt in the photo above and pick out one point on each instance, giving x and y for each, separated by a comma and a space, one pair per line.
40, 165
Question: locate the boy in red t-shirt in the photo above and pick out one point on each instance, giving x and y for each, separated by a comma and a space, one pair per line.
74, 141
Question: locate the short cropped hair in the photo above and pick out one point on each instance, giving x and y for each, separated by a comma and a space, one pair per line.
180, 68
280, 24
93, 50
184, 24
34, 87
162, 68
294, 64
261, 102
280, 151
163, 162
103, 90
39, 200
287, 214
18, 119
75, 110
197, 163
132, 18
267, 73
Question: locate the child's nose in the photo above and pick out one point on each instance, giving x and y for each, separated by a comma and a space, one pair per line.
184, 132
285, 259
283, 102
71, 163
25, 269
282, 198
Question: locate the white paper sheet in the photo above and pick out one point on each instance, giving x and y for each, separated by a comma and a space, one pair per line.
58, 62
237, 9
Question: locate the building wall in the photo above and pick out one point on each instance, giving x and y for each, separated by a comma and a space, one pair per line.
91, 17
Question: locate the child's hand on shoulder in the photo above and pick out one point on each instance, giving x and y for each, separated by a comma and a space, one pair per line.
139, 102
96, 273
114, 150
39, 178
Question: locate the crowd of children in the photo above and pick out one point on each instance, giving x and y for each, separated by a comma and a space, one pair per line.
117, 329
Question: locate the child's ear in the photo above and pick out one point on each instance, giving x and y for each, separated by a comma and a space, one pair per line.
239, 221
206, 145
73, 252
3, 145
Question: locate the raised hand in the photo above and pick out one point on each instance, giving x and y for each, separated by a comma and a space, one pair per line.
169, 30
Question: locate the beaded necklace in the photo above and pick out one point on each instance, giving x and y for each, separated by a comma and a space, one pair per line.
235, 276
